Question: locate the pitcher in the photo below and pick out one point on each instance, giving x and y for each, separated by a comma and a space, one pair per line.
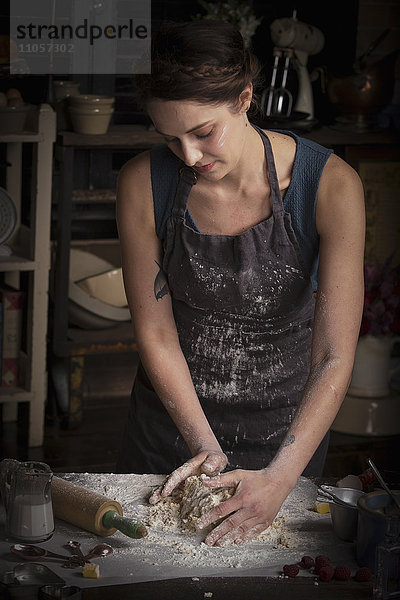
26, 493
371, 371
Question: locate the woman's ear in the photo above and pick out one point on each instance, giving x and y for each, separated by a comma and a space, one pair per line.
245, 98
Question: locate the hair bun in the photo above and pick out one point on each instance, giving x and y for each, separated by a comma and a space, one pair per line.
204, 61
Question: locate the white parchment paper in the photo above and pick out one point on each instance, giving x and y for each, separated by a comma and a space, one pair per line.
165, 554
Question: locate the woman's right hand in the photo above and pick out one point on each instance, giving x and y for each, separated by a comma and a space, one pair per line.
209, 462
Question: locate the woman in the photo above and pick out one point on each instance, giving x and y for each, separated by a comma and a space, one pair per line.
221, 231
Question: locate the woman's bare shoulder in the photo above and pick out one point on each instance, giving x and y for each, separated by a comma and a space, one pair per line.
134, 192
136, 170
338, 174
134, 183
340, 197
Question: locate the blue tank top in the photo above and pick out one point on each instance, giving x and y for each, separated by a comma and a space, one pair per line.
300, 200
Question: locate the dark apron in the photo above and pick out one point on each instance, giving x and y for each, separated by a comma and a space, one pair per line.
243, 306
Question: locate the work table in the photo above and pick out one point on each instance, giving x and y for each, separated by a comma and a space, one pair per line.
171, 564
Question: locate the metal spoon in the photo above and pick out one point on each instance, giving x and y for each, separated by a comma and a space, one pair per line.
99, 551
76, 551
383, 484
30, 552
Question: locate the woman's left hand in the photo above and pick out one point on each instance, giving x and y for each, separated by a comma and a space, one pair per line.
251, 509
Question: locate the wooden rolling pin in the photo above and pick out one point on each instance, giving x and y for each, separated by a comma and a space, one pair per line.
91, 511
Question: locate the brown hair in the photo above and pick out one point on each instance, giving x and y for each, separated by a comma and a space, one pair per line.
205, 61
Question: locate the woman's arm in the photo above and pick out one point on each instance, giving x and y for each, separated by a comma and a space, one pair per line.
338, 311
152, 314
341, 226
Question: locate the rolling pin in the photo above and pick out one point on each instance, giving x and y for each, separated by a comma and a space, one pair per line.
91, 511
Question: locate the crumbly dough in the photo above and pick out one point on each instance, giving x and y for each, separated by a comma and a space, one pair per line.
197, 499
184, 508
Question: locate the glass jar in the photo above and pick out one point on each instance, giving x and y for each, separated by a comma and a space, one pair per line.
387, 562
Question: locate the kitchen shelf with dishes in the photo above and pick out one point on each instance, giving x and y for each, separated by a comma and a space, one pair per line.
82, 324
25, 265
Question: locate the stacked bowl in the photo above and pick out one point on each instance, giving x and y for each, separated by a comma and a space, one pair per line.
91, 113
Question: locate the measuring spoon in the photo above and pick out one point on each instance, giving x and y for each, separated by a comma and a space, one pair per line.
76, 551
30, 552
383, 484
99, 551
328, 493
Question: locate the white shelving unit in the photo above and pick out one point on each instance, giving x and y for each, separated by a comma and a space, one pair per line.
31, 252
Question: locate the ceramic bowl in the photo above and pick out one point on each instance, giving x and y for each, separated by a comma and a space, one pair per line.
107, 287
91, 100
85, 310
13, 118
64, 89
92, 121
369, 416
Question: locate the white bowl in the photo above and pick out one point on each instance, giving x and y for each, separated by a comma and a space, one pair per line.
13, 118
93, 122
369, 416
65, 89
107, 287
84, 265
91, 99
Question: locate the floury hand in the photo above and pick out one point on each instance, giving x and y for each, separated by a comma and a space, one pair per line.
208, 462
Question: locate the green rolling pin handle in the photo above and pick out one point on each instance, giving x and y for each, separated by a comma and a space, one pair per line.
126, 526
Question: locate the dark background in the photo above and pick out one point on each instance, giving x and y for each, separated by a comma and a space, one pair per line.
338, 23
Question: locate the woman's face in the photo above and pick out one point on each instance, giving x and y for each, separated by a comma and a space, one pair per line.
206, 137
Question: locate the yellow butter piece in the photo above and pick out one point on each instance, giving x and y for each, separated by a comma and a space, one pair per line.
91, 570
321, 507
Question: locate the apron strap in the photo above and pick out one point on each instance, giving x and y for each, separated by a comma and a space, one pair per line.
187, 179
276, 197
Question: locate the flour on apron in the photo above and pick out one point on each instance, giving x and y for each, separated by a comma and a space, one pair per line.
243, 306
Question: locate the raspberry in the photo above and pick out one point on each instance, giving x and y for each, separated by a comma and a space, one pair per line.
321, 561
342, 573
307, 562
291, 570
363, 574
326, 573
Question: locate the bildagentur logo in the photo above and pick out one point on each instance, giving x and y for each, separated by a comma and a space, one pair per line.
80, 36
45, 31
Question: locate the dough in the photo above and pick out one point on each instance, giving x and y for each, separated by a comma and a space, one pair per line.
187, 504
181, 511
197, 499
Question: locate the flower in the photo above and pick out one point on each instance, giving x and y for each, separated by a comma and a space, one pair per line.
381, 313
235, 12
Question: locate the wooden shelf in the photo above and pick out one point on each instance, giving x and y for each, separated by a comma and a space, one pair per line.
32, 241
24, 136
139, 137
15, 394
14, 262
329, 136
118, 136
114, 339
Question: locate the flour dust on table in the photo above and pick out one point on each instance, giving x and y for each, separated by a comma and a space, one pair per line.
173, 542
